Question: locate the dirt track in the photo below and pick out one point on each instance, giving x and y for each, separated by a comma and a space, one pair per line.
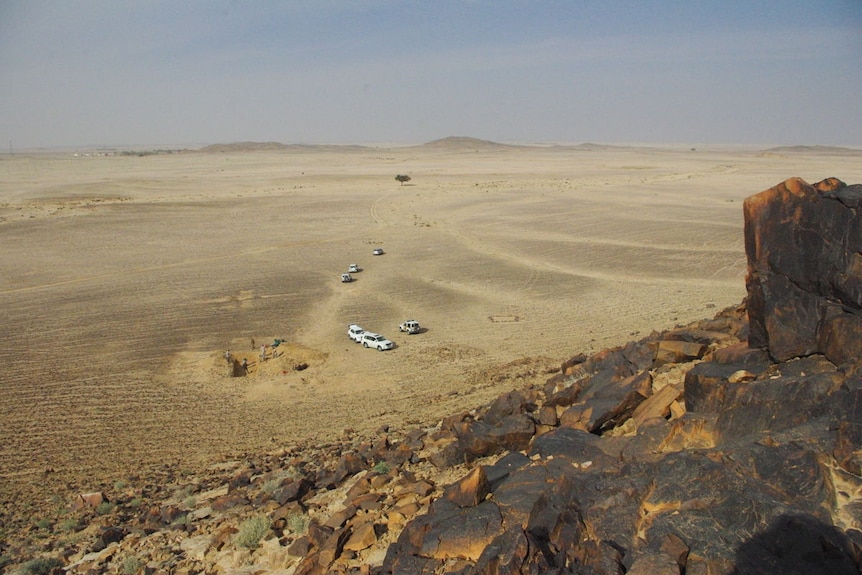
124, 279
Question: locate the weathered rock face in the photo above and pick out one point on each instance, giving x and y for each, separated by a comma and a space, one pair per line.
804, 248
759, 473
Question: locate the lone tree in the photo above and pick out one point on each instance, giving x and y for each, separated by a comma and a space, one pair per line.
402, 178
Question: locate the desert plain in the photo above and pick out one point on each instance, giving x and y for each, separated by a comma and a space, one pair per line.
124, 278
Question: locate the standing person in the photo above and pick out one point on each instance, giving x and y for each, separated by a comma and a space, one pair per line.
263, 352
244, 366
227, 356
252, 344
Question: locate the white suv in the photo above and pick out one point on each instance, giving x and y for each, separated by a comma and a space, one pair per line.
355, 332
410, 326
376, 340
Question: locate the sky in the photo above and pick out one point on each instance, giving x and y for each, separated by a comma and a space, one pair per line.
196, 72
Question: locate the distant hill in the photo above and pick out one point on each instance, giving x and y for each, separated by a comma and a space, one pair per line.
814, 150
451, 143
465, 143
244, 147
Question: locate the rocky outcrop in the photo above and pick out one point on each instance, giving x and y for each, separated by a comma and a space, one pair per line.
711, 491
804, 248
731, 445
759, 473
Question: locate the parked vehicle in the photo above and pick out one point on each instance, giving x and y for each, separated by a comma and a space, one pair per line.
355, 332
410, 326
345, 278
377, 252
376, 341
353, 268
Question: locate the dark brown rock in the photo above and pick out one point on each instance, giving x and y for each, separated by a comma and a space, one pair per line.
840, 336
796, 543
514, 432
338, 519
781, 403
743, 356
604, 405
848, 440
575, 445
332, 548
507, 555
547, 415
318, 534
112, 534
362, 537
228, 501
602, 368
511, 403
470, 490
300, 547
292, 491
803, 248
700, 333
241, 479
678, 351
707, 386
510, 462
461, 533
349, 464
658, 404
645, 445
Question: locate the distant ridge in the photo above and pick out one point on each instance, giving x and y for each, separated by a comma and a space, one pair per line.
592, 146
813, 150
273, 146
243, 147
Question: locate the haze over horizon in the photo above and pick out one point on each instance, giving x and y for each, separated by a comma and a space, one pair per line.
106, 73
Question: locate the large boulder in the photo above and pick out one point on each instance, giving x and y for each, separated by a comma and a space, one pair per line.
804, 249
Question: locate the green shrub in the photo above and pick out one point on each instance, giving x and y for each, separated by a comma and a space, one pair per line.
105, 507
271, 486
119, 484
68, 524
291, 473
251, 531
381, 467
135, 503
183, 519
41, 566
43, 523
131, 565
297, 523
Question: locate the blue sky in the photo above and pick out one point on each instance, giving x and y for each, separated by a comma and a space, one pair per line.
168, 72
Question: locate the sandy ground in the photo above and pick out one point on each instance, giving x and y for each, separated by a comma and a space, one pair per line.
124, 279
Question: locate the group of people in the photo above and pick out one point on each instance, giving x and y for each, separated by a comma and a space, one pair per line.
244, 364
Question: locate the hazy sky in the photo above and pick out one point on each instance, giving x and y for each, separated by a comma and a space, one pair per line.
188, 72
